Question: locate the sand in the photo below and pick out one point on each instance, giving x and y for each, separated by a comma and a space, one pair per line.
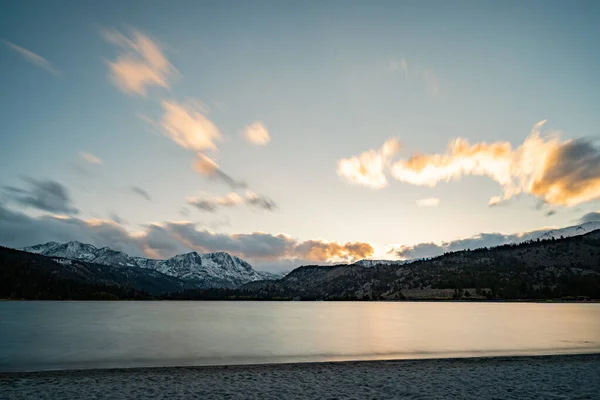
544, 377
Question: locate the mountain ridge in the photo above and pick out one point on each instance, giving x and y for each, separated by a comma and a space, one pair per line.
219, 269
535, 269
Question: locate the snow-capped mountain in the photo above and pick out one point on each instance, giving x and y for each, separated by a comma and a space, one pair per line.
571, 231
208, 270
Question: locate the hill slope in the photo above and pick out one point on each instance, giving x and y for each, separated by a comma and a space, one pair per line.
532, 270
31, 276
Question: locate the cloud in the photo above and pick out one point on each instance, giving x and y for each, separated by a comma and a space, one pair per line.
170, 238
90, 158
426, 250
141, 192
259, 201
589, 217
140, 64
369, 168
206, 166
257, 134
187, 126
319, 251
117, 219
33, 58
19, 230
428, 202
265, 246
212, 203
557, 172
46, 195
494, 201
190, 129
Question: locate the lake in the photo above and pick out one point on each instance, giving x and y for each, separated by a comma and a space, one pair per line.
71, 334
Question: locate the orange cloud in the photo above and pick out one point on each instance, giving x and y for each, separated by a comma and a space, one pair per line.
205, 165
320, 251
559, 172
257, 134
188, 127
210, 203
369, 168
140, 64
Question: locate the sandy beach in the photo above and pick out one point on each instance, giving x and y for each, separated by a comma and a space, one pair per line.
543, 377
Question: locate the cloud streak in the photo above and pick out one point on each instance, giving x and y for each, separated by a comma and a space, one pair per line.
45, 195
33, 58
140, 64
213, 203
141, 192
564, 173
90, 158
208, 167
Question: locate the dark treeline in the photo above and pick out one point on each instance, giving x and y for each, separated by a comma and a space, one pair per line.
34, 277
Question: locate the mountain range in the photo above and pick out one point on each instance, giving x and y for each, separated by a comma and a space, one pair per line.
207, 270
550, 264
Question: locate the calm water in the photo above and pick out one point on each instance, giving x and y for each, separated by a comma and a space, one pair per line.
56, 335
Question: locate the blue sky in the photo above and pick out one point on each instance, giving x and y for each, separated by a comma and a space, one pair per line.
328, 81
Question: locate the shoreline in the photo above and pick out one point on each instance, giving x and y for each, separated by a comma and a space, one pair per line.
519, 377
452, 359
425, 300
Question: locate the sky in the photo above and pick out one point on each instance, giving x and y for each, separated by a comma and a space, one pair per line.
289, 133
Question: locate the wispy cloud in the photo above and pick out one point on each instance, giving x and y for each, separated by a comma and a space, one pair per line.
211, 204
428, 202
256, 133
141, 192
140, 64
33, 58
45, 195
90, 158
208, 167
564, 173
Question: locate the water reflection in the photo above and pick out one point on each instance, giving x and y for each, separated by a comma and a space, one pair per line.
44, 335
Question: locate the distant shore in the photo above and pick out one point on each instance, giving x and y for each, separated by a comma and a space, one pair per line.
337, 300
564, 376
